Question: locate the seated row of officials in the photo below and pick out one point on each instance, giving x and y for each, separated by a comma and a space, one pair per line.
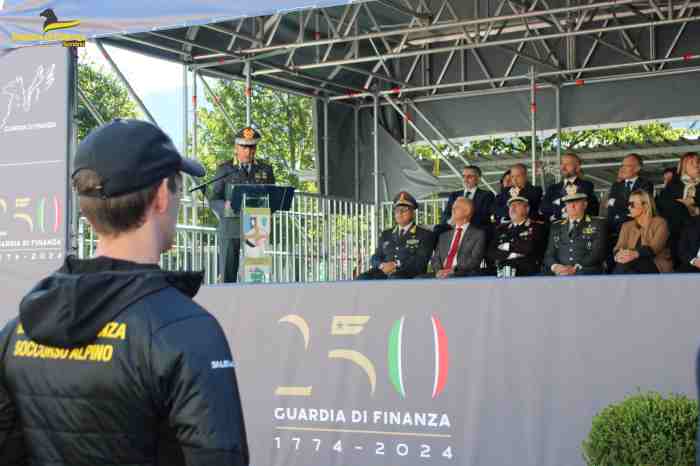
521, 232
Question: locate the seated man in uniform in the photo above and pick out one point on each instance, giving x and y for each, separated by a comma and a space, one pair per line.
404, 250
533, 194
577, 243
461, 249
552, 208
246, 171
518, 245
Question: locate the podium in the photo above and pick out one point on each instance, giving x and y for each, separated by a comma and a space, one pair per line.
255, 203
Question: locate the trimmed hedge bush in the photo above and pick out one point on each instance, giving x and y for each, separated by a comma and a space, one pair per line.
645, 429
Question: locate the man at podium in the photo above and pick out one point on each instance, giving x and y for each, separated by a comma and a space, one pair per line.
246, 171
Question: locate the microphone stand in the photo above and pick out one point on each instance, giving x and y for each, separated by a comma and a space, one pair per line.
203, 189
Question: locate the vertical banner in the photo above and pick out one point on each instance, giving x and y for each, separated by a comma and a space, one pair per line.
257, 264
35, 97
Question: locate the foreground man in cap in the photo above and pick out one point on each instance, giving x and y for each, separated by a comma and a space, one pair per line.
246, 171
110, 361
576, 244
461, 249
518, 246
403, 251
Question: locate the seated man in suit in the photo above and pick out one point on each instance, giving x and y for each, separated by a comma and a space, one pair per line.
533, 194
552, 208
483, 199
577, 243
689, 247
404, 250
461, 249
519, 245
619, 196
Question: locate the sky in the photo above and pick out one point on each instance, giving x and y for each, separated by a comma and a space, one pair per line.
157, 82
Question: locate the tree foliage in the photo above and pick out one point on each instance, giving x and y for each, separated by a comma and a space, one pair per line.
655, 132
104, 91
285, 122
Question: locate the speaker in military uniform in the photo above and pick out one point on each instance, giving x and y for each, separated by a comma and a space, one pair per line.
517, 247
577, 243
404, 250
244, 169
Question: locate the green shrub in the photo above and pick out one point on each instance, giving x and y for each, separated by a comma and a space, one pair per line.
645, 429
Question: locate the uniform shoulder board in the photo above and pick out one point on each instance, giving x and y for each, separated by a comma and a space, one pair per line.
560, 221
540, 222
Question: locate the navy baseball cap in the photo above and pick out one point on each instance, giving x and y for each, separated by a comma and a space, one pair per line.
130, 155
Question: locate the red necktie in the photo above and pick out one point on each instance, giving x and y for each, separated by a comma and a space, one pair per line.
453, 249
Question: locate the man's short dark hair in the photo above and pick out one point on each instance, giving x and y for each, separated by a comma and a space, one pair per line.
571, 154
671, 170
116, 215
637, 158
475, 168
519, 165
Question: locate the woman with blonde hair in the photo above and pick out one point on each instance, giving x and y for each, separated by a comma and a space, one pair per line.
642, 246
679, 202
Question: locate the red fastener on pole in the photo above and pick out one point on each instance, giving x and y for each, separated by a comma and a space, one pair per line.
395, 90
317, 35
687, 56
248, 92
194, 100
533, 108
580, 82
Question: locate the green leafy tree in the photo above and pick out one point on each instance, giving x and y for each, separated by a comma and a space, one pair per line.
656, 132
104, 91
285, 122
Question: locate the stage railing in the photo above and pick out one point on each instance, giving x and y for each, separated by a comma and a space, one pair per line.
318, 239
322, 239
428, 213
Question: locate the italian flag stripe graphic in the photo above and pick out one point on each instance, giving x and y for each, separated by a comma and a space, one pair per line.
394, 357
442, 357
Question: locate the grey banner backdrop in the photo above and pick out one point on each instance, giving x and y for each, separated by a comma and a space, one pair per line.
479, 372
34, 102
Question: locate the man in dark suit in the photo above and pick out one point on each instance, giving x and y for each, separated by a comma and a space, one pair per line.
483, 199
620, 193
552, 209
521, 187
461, 249
689, 247
577, 243
618, 198
518, 246
246, 171
404, 250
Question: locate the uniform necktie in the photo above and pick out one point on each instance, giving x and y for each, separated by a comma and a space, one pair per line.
629, 184
572, 227
453, 249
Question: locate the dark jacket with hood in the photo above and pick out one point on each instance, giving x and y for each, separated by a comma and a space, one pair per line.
112, 363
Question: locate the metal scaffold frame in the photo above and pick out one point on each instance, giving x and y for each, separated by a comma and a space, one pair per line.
399, 54
322, 54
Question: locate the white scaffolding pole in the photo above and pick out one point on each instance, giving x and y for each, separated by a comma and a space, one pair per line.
126, 83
